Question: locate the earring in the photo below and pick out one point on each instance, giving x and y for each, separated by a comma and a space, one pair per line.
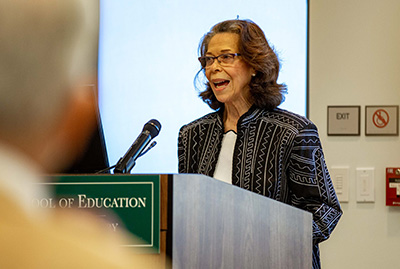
253, 75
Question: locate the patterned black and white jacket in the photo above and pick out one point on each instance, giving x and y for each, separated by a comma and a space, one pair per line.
277, 154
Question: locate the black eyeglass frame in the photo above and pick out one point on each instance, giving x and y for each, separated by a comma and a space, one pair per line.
205, 58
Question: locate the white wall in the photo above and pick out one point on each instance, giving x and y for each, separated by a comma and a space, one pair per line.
355, 60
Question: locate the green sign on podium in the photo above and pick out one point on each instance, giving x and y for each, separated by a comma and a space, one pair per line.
133, 200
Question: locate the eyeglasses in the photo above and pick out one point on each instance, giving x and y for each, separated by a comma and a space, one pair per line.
223, 59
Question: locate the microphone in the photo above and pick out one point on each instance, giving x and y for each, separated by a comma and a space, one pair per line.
126, 163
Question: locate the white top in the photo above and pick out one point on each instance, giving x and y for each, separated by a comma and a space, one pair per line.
223, 170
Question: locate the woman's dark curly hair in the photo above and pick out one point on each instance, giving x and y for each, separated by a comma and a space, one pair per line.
256, 52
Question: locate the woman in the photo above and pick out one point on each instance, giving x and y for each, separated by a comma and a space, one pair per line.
248, 141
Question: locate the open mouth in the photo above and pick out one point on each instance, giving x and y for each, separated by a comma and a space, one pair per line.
220, 84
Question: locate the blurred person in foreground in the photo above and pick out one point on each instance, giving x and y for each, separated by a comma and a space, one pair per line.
249, 142
47, 49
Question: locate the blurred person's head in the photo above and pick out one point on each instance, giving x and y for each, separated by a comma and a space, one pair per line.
48, 52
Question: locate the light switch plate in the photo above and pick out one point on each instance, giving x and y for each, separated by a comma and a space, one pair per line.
365, 181
340, 180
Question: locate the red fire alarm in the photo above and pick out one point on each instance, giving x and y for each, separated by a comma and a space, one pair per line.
393, 186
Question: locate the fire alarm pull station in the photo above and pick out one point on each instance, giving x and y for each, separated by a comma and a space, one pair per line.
393, 186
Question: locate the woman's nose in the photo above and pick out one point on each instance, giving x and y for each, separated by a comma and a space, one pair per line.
215, 66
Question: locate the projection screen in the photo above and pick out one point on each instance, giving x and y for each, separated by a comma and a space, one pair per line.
148, 60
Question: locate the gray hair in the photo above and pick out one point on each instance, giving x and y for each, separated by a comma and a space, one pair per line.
45, 46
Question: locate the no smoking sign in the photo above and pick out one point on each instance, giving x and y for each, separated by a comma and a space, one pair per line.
381, 120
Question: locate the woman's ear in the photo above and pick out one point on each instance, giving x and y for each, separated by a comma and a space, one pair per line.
253, 72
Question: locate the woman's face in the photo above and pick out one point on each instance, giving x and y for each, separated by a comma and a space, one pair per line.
230, 83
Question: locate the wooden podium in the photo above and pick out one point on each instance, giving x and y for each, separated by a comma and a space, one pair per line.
206, 223
202, 222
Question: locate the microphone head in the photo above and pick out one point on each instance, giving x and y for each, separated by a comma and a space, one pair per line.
153, 127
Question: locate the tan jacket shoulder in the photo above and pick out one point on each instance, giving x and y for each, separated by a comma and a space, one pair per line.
61, 241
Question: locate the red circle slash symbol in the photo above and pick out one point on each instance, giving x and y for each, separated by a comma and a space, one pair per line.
380, 118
